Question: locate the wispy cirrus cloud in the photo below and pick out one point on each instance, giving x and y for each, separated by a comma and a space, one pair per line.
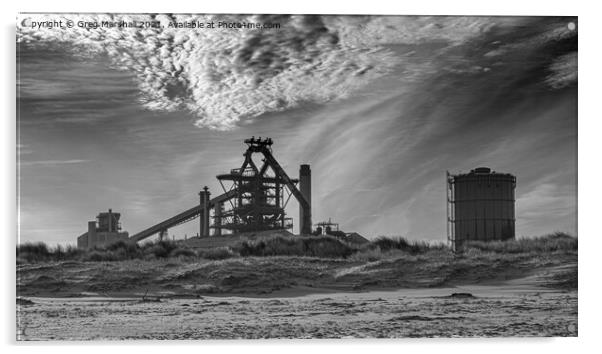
51, 162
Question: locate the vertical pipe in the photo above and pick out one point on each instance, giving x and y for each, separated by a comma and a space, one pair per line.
110, 220
447, 207
305, 189
204, 214
218, 219
201, 216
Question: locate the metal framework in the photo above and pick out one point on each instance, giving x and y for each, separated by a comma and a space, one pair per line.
326, 227
254, 199
259, 193
451, 230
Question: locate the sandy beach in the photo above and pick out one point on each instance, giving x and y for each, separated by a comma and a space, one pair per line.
510, 309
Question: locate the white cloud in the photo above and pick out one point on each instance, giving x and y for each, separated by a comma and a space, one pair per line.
564, 71
225, 75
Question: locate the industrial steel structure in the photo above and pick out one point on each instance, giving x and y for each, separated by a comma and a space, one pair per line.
106, 229
480, 206
254, 199
326, 227
259, 200
330, 228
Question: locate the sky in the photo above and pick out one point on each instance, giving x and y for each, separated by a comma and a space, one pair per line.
139, 120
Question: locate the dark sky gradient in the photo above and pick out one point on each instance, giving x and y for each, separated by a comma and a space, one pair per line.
506, 99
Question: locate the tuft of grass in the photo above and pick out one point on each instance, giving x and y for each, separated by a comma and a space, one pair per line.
321, 246
40, 252
395, 247
118, 251
217, 253
121, 250
160, 249
96, 255
385, 244
32, 252
68, 252
182, 252
555, 242
374, 254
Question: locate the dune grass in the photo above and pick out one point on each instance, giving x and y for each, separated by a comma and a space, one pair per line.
119, 251
320, 246
311, 246
39, 252
217, 253
557, 241
399, 243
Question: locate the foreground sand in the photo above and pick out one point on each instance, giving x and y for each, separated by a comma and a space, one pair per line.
299, 297
252, 276
511, 309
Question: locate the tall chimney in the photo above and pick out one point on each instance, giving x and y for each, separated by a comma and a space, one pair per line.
305, 189
204, 217
110, 220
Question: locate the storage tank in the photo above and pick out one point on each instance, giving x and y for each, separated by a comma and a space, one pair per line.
480, 206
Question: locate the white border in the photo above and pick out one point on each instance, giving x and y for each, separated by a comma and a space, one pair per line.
589, 170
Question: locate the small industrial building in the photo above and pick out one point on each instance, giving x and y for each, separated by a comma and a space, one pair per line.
480, 206
331, 228
105, 230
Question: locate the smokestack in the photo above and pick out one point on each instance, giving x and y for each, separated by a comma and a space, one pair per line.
305, 189
204, 217
110, 220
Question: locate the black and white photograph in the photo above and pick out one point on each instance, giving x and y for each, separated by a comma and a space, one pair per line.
209, 176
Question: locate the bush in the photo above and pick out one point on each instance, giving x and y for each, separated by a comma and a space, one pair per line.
161, 249
125, 249
217, 253
182, 252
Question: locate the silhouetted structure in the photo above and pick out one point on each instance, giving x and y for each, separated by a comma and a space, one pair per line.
331, 228
254, 199
260, 194
480, 206
105, 230
328, 228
